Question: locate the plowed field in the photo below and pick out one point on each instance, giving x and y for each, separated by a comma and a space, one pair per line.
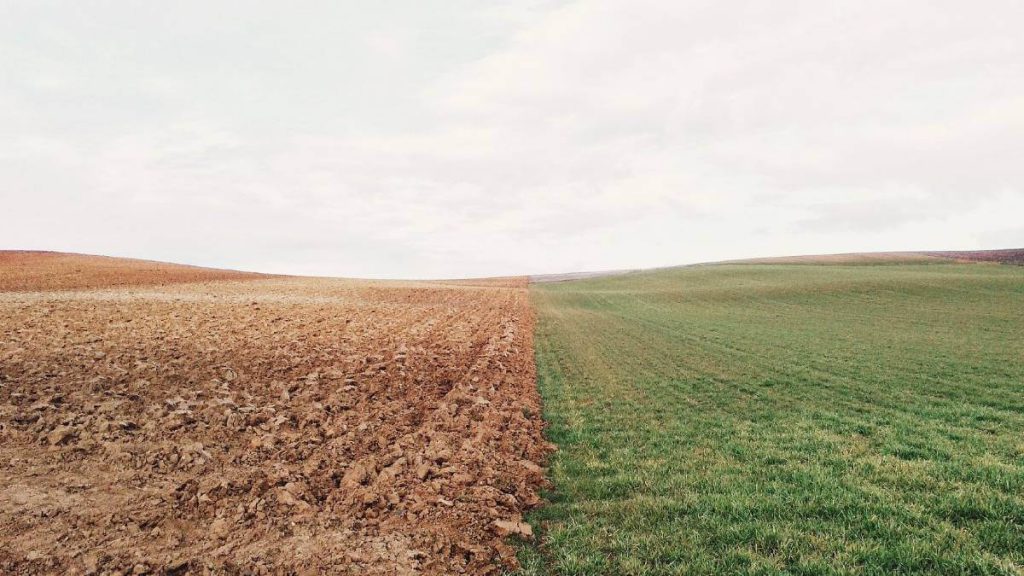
275, 425
29, 270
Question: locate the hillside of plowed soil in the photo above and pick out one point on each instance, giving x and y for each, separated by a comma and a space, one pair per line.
1010, 256
280, 425
23, 270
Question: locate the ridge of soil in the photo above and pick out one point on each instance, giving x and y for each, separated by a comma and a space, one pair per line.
1008, 256
33, 270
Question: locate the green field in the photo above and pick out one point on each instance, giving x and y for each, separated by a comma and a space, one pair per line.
784, 419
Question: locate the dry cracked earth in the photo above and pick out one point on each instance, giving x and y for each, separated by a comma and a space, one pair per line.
159, 419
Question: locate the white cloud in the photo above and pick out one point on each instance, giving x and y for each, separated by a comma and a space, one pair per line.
403, 141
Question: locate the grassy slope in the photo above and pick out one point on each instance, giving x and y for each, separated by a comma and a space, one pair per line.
785, 419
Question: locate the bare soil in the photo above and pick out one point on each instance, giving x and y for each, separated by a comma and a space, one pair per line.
1011, 256
32, 270
274, 426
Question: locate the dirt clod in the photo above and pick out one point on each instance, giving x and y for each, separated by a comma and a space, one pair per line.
507, 527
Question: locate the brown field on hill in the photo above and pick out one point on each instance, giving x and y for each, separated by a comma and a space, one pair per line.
1010, 256
276, 425
33, 270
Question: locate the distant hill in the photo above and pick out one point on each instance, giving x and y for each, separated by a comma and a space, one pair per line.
24, 270
577, 275
1005, 256
1010, 256
27, 270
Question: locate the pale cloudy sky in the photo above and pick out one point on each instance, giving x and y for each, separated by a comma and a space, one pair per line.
468, 138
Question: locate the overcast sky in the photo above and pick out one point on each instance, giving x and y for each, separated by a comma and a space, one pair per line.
466, 138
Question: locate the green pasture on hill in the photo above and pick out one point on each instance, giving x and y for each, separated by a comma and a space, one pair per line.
784, 419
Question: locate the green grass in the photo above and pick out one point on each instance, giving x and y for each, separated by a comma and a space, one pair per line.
774, 419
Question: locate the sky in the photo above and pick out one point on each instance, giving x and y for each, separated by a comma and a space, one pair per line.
407, 139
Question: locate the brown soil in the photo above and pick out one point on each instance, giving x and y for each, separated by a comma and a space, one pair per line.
281, 425
28, 270
1012, 256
